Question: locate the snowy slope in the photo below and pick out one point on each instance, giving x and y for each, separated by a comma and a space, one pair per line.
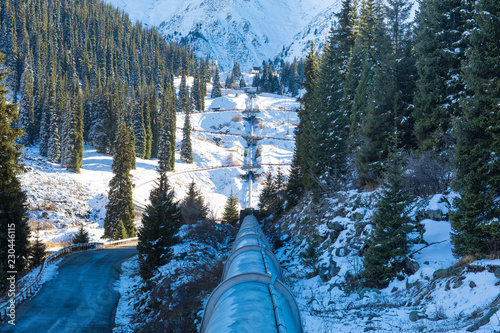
59, 201
242, 30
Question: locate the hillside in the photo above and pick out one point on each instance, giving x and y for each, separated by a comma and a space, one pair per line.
60, 200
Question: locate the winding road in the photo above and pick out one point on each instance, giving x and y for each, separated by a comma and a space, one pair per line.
80, 298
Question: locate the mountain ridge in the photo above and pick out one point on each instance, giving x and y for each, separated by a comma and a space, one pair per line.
244, 31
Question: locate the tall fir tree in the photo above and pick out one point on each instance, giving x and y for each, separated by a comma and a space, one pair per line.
304, 132
139, 131
38, 251
388, 254
120, 207
476, 228
330, 135
216, 91
14, 229
186, 148
160, 223
193, 207
75, 159
231, 213
27, 108
82, 236
440, 49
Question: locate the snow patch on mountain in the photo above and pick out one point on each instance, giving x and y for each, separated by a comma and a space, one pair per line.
242, 30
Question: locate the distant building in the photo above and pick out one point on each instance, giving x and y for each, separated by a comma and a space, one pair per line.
255, 70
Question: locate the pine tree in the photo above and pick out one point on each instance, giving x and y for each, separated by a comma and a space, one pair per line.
304, 133
216, 92
293, 86
38, 251
120, 232
13, 206
193, 206
330, 136
82, 236
75, 158
147, 126
266, 197
160, 223
294, 187
440, 49
139, 131
27, 108
388, 254
476, 228
231, 213
186, 148
120, 207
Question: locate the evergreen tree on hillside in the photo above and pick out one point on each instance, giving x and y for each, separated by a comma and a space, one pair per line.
27, 108
139, 131
267, 195
38, 251
231, 213
146, 109
294, 187
236, 70
13, 206
216, 92
183, 94
160, 223
272, 197
193, 206
82, 236
293, 86
305, 132
330, 136
476, 228
120, 207
186, 148
440, 48
120, 232
388, 254
75, 144
243, 84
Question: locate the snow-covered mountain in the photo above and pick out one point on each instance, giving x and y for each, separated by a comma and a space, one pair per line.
248, 31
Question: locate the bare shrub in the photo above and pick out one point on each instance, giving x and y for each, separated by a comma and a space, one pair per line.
237, 117
429, 174
211, 233
175, 301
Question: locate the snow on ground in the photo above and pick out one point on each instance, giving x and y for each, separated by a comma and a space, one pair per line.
127, 287
60, 201
450, 303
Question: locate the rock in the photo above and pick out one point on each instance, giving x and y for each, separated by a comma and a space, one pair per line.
326, 272
414, 316
342, 251
440, 273
472, 284
335, 226
412, 267
457, 284
497, 273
